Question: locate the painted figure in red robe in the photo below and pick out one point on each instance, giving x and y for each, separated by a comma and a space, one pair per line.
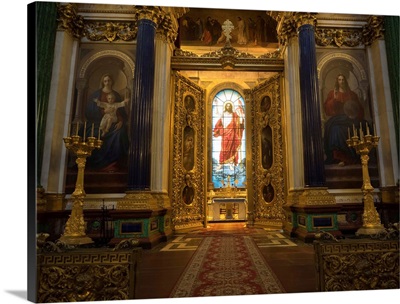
230, 127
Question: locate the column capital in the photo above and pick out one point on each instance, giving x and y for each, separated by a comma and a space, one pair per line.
373, 30
304, 19
168, 28
152, 13
69, 20
289, 24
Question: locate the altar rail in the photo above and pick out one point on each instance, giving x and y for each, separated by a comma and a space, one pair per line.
357, 264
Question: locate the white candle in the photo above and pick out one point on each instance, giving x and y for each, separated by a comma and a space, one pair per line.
69, 130
77, 128
367, 128
84, 131
375, 134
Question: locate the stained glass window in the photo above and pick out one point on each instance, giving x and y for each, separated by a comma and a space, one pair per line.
228, 140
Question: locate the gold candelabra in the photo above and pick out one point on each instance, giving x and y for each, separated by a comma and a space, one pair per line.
74, 233
363, 145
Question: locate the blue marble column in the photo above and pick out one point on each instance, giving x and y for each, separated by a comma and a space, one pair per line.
142, 108
314, 171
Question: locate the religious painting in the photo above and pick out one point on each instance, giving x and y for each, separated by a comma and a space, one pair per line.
188, 148
266, 147
228, 140
268, 193
346, 112
205, 27
103, 102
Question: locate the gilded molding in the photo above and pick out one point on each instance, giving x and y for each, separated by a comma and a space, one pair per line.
69, 20
316, 197
228, 58
373, 30
142, 200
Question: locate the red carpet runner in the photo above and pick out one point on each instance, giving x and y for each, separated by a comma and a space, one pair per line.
224, 266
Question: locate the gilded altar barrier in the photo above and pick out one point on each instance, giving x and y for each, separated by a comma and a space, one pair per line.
87, 274
357, 264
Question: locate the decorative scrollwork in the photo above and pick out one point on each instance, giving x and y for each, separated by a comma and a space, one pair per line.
69, 20
338, 37
127, 244
373, 30
110, 31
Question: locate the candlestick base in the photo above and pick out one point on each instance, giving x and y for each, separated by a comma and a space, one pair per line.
370, 230
76, 240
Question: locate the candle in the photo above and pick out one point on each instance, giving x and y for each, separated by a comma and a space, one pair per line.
348, 131
92, 130
99, 134
69, 130
367, 128
77, 128
84, 131
375, 134
354, 130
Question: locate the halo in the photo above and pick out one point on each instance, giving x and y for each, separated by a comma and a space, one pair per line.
226, 102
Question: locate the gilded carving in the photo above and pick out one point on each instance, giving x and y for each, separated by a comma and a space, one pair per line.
152, 13
373, 30
316, 196
338, 37
110, 31
305, 18
69, 276
267, 147
188, 181
357, 265
69, 20
168, 29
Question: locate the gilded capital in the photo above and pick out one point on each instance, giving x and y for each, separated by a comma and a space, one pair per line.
152, 13
69, 20
167, 28
305, 18
373, 30
286, 27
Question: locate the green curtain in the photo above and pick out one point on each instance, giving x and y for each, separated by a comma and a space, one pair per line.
393, 51
45, 33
